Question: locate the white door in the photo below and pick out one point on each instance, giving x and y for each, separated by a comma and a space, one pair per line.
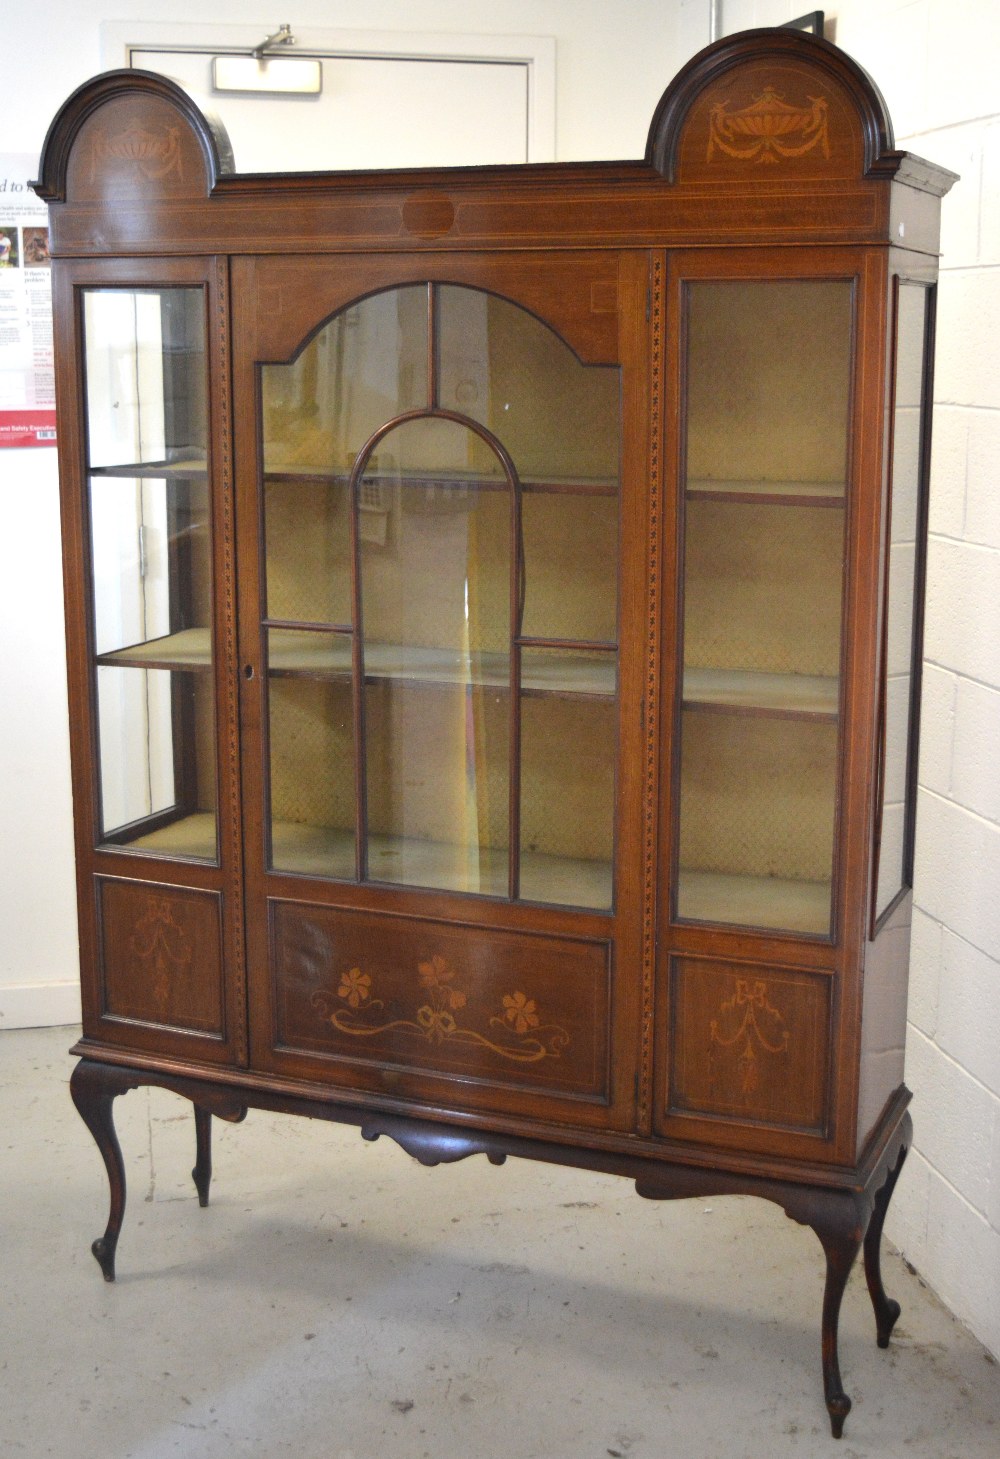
386, 101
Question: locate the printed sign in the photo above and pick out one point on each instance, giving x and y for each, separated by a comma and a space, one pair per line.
27, 384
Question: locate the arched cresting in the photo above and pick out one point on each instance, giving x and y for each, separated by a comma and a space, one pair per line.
806, 102
141, 131
424, 684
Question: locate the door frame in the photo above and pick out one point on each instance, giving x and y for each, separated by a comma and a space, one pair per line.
536, 52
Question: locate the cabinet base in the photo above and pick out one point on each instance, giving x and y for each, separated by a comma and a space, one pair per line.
844, 1217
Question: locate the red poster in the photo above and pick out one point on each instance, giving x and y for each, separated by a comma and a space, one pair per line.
27, 386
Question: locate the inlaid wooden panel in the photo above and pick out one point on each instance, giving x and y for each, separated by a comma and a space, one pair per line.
160, 951
749, 1043
136, 144
475, 1004
779, 118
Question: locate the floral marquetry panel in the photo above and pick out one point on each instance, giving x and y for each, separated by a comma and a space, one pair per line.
402, 994
161, 956
749, 1044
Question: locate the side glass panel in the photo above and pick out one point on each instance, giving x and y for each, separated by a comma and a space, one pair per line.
901, 646
151, 565
441, 527
768, 381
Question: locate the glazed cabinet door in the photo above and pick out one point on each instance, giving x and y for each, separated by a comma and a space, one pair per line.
441, 471
767, 731
153, 690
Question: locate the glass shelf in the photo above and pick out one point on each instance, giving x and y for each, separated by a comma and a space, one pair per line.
768, 493
754, 901
788, 696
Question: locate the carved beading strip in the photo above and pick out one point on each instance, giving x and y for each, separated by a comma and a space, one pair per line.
225, 479
650, 718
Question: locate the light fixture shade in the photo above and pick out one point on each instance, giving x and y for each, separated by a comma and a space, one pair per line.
270, 75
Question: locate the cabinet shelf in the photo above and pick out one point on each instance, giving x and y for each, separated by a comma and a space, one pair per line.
446, 481
184, 462
750, 692
754, 901
328, 656
191, 648
329, 852
768, 493
295, 653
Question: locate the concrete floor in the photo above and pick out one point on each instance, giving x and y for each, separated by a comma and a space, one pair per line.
338, 1301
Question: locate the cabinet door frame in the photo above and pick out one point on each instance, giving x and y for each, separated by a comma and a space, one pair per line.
839, 955
287, 300
193, 901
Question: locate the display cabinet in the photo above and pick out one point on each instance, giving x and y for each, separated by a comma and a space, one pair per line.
494, 622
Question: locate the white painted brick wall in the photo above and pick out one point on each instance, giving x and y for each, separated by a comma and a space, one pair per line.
935, 62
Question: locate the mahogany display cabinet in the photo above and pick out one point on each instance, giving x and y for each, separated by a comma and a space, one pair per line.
494, 622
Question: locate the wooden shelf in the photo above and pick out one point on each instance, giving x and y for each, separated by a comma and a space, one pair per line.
293, 652
186, 461
191, 648
317, 475
749, 692
189, 836
754, 901
768, 493
329, 852
399, 861
300, 653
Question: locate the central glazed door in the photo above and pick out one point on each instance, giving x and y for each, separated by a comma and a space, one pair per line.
440, 472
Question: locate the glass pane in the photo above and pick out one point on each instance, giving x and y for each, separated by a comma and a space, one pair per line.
157, 760
145, 376
436, 610
438, 788
307, 531
907, 479
151, 566
367, 365
757, 812
570, 566
558, 418
311, 740
568, 736
768, 383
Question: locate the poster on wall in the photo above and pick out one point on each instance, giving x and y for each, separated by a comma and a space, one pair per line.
27, 383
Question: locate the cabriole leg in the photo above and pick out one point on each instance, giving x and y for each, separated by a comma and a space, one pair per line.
202, 1172
886, 1309
94, 1088
841, 1248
